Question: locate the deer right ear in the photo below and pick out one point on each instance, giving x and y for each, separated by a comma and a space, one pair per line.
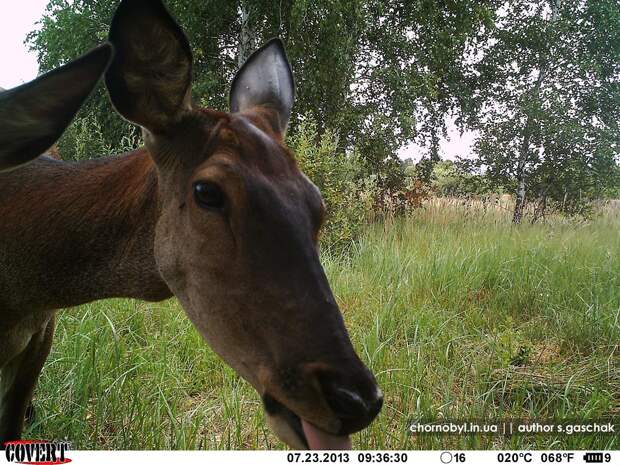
149, 80
266, 80
34, 115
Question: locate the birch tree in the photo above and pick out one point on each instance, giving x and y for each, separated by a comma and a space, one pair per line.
379, 73
547, 101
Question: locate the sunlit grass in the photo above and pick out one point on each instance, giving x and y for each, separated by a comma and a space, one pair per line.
460, 315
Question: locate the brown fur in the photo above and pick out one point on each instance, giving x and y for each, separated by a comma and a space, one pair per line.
108, 205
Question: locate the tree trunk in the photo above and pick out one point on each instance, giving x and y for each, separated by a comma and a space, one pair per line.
247, 36
527, 133
517, 215
539, 211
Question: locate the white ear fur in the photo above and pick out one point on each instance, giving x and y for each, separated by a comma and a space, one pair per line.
265, 80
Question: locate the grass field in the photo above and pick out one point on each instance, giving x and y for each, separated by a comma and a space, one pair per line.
459, 314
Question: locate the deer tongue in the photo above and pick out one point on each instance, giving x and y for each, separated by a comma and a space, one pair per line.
320, 440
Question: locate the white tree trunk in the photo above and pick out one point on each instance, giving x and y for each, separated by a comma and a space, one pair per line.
527, 134
247, 37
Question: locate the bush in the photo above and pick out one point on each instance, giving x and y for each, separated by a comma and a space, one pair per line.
84, 140
348, 193
448, 180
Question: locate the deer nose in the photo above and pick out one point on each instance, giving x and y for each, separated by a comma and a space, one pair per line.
355, 406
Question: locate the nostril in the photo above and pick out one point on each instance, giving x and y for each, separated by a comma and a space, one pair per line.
345, 403
354, 398
354, 411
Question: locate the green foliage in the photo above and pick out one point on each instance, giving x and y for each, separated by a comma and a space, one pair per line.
538, 82
348, 195
84, 140
448, 180
378, 72
547, 100
412, 71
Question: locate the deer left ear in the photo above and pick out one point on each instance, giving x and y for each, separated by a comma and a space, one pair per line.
34, 115
265, 80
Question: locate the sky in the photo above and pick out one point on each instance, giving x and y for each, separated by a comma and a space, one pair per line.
21, 66
16, 21
456, 145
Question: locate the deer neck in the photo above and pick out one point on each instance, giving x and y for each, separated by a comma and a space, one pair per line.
72, 233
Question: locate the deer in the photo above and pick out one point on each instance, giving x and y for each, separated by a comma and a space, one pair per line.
212, 210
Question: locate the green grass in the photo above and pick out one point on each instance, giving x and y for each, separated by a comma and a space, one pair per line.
460, 315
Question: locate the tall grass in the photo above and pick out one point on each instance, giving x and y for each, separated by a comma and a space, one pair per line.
460, 315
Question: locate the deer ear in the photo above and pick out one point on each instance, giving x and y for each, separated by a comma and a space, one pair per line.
266, 80
34, 115
149, 80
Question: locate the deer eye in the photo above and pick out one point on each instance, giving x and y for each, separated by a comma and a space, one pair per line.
209, 195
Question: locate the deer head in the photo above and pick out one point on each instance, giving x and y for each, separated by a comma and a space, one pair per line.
236, 240
34, 115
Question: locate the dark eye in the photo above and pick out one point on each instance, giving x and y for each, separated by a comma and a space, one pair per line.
209, 195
